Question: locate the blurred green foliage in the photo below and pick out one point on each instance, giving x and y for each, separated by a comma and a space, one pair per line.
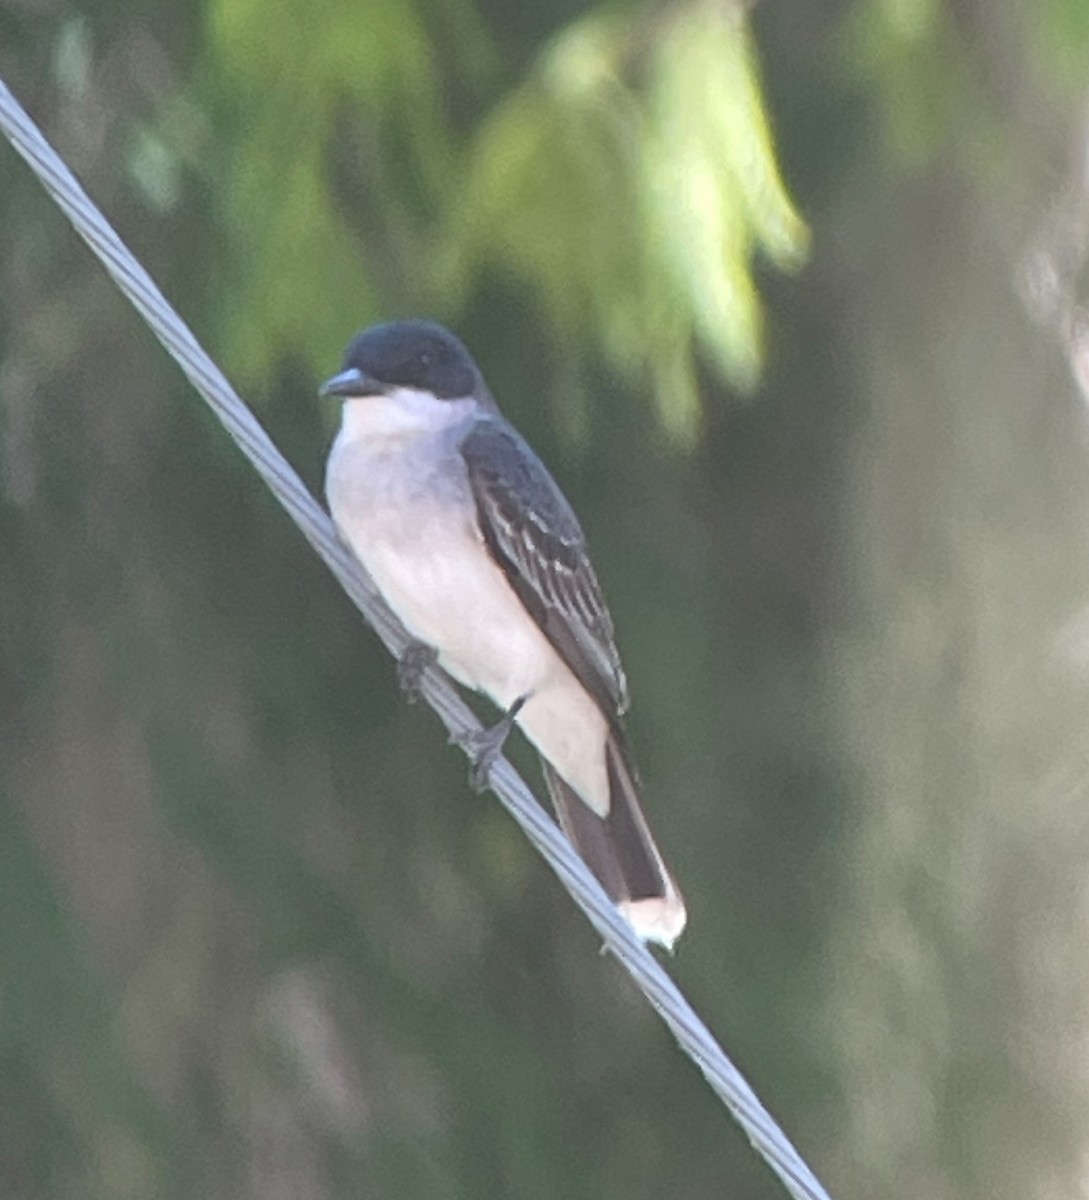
256, 937
1061, 34
629, 180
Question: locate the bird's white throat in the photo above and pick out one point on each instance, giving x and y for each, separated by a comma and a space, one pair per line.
400, 414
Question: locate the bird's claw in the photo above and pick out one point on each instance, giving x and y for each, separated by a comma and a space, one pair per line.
413, 664
485, 746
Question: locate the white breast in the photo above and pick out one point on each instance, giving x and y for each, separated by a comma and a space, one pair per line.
398, 491
399, 494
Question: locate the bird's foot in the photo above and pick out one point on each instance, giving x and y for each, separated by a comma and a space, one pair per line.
485, 746
413, 664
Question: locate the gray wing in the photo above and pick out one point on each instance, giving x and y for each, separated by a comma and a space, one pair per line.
533, 534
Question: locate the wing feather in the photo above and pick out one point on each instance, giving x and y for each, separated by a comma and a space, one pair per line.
533, 534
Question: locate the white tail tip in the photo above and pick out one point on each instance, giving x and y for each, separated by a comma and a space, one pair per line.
658, 919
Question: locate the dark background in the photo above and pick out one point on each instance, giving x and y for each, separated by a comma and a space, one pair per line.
257, 938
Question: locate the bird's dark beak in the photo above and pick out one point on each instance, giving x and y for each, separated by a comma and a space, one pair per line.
352, 382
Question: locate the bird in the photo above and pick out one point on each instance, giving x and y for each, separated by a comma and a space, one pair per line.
474, 547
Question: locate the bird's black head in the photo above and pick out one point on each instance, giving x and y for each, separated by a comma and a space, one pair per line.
411, 354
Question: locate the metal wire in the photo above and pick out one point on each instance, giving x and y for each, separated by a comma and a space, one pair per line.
645, 970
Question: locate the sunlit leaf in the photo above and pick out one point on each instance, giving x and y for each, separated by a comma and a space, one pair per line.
631, 177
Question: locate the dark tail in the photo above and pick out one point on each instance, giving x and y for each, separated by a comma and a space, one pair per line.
619, 848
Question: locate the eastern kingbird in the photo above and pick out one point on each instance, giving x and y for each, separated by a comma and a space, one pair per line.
476, 550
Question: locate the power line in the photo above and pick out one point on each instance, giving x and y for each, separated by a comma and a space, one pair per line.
178, 340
